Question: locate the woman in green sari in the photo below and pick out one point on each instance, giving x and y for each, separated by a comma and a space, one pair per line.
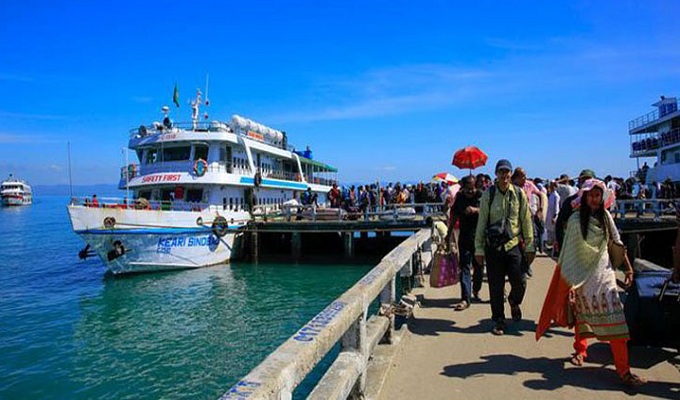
584, 293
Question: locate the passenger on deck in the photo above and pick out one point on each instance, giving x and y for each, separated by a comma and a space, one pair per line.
334, 196
95, 201
584, 287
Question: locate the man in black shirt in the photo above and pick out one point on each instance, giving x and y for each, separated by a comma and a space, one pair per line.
466, 210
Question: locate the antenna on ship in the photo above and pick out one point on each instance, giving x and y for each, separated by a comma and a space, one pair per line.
207, 99
70, 179
194, 109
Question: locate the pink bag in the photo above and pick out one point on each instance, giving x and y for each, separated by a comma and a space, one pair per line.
444, 270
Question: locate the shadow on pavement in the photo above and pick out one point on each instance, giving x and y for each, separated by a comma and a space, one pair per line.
432, 327
555, 376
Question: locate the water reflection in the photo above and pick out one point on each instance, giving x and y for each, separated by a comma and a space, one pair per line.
191, 334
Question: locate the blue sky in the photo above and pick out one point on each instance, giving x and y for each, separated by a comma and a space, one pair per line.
381, 89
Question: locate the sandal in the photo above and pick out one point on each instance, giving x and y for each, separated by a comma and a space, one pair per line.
577, 359
630, 379
463, 305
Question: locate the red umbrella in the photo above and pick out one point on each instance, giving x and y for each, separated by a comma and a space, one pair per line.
469, 157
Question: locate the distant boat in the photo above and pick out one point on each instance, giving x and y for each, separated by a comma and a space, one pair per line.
15, 193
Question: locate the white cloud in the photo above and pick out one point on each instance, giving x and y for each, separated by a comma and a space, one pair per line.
142, 99
542, 69
7, 114
391, 91
26, 138
14, 77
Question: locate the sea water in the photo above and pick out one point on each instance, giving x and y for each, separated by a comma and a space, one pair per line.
70, 331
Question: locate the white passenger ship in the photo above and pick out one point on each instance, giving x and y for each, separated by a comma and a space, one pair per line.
195, 185
656, 135
15, 193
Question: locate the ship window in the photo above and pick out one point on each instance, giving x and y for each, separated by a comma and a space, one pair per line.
144, 194
194, 195
176, 153
224, 203
231, 203
200, 151
151, 156
167, 194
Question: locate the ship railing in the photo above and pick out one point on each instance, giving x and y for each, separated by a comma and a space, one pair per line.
200, 127
282, 175
345, 320
643, 120
655, 141
159, 128
142, 204
134, 170
390, 212
655, 208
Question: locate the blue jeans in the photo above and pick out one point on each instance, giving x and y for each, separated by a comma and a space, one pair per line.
471, 274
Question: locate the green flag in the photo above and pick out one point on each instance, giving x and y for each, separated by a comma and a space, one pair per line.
175, 96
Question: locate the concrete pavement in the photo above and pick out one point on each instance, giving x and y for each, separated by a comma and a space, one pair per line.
453, 355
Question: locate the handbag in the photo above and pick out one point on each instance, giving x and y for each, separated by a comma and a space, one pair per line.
617, 254
617, 251
444, 270
497, 234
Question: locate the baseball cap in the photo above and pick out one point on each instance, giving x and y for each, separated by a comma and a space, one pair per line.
503, 164
587, 173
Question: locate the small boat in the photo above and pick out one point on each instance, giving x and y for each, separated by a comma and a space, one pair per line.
15, 192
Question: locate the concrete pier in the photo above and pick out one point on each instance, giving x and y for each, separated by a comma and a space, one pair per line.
452, 355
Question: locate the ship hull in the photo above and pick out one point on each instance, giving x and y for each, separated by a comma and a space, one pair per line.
133, 251
14, 201
146, 241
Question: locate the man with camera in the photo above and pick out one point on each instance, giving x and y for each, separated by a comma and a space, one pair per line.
504, 237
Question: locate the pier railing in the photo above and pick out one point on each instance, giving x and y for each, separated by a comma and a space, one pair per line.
391, 212
344, 320
650, 207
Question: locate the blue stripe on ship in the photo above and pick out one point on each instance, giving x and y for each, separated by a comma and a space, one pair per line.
269, 182
152, 231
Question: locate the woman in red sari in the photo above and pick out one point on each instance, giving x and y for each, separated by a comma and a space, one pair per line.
583, 293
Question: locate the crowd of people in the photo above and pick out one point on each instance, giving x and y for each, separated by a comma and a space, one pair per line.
499, 227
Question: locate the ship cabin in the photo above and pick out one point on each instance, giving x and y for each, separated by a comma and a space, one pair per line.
234, 166
657, 135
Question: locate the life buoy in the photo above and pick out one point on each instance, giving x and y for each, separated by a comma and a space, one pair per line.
220, 226
200, 167
109, 222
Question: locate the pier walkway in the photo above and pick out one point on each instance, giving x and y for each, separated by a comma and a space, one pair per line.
452, 355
